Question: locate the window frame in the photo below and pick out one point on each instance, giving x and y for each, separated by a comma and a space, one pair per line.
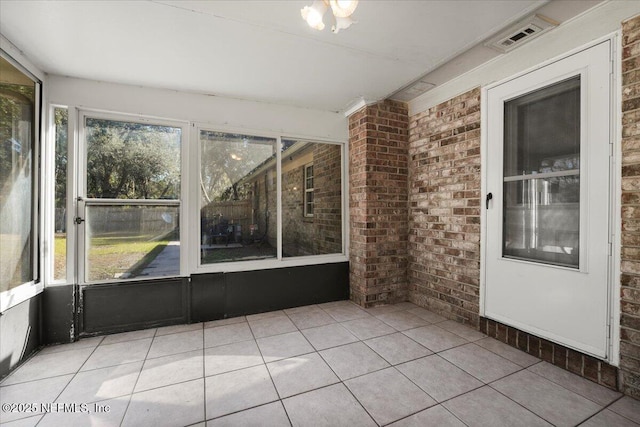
11, 297
308, 190
80, 202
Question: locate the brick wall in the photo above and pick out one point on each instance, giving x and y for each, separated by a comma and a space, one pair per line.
327, 218
378, 223
265, 200
322, 233
630, 268
584, 365
444, 208
298, 233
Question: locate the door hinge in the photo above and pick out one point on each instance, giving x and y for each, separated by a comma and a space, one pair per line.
610, 244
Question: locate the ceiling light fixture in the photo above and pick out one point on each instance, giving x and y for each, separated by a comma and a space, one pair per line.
341, 11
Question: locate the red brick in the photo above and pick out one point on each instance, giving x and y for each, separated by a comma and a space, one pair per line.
630, 268
546, 351
378, 159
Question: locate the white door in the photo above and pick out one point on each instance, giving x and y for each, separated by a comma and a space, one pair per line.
548, 201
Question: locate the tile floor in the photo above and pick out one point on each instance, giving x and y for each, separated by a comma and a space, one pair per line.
331, 364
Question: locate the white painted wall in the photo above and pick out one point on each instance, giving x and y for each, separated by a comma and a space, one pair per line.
591, 25
205, 109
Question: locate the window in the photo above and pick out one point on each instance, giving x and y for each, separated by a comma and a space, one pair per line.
238, 203
542, 175
311, 198
18, 177
131, 201
261, 205
308, 191
61, 124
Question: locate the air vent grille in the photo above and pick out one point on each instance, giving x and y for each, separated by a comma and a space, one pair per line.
520, 33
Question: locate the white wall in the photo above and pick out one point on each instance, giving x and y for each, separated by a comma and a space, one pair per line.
209, 109
591, 25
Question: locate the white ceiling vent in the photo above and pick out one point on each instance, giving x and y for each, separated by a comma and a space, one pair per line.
520, 33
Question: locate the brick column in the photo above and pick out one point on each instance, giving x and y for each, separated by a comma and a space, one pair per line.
630, 278
378, 162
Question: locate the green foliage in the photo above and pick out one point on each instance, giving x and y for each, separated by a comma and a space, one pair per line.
227, 161
61, 120
132, 160
16, 139
110, 255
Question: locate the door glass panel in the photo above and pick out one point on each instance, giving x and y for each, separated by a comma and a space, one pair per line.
238, 205
542, 175
128, 241
127, 160
133, 200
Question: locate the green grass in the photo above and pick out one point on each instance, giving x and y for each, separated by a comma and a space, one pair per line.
115, 253
60, 257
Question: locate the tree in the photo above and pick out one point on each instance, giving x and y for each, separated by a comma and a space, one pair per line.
226, 159
61, 119
132, 160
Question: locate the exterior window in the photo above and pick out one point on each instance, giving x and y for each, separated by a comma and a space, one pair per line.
18, 177
241, 195
61, 123
308, 191
132, 200
238, 203
311, 198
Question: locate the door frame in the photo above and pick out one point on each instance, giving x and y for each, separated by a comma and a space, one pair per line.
615, 179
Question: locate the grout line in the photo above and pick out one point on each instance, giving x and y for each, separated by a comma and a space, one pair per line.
516, 402
269, 371
606, 407
568, 389
75, 374
512, 348
242, 410
204, 376
340, 381
133, 390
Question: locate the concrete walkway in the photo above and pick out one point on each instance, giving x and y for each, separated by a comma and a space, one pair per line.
167, 263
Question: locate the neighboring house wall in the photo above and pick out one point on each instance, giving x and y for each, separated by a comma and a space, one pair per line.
298, 232
630, 267
265, 210
321, 233
327, 217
